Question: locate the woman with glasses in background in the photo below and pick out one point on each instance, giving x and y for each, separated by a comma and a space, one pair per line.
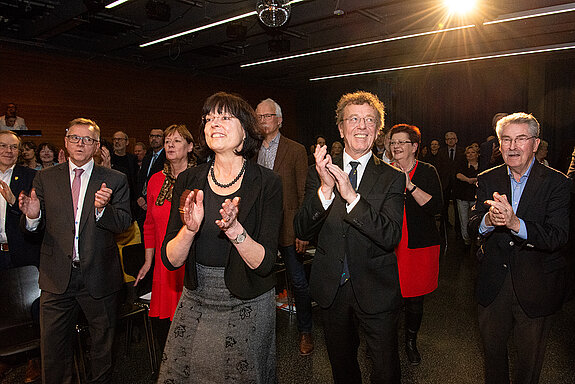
225, 230
166, 285
418, 250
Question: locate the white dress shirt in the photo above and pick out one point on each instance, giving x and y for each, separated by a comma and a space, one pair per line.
6, 177
32, 224
19, 125
363, 160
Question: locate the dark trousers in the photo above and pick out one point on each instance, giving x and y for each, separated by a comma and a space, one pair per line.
341, 324
296, 272
58, 317
503, 317
5, 260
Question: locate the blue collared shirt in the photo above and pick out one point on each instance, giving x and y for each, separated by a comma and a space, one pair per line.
517, 188
267, 156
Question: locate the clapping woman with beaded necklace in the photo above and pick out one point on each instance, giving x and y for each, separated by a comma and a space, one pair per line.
225, 231
418, 250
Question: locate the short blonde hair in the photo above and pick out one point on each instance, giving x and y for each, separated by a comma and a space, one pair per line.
83, 121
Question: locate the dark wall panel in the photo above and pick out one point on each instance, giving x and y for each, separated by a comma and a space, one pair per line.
51, 89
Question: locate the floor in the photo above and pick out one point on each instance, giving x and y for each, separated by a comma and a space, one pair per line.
448, 340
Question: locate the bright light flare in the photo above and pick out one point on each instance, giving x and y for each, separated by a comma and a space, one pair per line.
115, 3
460, 7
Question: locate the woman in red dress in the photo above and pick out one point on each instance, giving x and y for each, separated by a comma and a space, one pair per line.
418, 250
166, 285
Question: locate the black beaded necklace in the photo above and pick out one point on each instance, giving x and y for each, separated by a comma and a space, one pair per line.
213, 175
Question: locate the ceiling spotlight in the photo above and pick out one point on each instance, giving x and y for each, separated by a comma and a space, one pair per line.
273, 13
460, 6
338, 11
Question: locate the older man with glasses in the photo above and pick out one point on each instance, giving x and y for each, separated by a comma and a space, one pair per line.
522, 215
288, 159
78, 207
354, 205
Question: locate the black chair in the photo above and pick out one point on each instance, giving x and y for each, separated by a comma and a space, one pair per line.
133, 257
18, 331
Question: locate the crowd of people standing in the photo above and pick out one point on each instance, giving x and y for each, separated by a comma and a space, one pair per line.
215, 212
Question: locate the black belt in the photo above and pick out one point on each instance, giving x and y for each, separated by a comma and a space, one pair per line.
76, 264
4, 247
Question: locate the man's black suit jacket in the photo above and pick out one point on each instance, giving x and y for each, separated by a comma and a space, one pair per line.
368, 235
537, 264
24, 249
447, 168
485, 152
143, 175
99, 255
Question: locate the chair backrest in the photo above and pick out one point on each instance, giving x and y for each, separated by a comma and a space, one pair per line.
19, 288
133, 256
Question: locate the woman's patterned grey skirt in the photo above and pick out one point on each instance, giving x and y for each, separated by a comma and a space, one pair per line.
218, 338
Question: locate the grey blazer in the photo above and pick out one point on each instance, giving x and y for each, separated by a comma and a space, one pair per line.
99, 256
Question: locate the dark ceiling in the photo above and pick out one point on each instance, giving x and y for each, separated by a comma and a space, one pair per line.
85, 27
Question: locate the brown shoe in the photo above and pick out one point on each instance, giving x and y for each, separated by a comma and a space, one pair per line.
305, 343
32, 371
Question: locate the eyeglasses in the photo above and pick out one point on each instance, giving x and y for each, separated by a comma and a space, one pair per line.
4, 146
519, 140
369, 121
212, 118
87, 140
399, 143
156, 136
266, 116
118, 138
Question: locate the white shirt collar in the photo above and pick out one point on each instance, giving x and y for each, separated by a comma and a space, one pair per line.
86, 167
362, 160
9, 170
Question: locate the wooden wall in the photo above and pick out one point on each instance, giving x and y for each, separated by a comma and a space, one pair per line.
51, 89
462, 98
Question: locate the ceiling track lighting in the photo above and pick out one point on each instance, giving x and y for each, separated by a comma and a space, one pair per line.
545, 49
546, 11
211, 25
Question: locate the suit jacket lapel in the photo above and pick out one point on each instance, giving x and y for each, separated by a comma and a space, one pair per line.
65, 191
369, 176
251, 185
16, 181
338, 205
534, 181
96, 180
280, 154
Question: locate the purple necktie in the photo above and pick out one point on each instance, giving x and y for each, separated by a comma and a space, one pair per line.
76, 184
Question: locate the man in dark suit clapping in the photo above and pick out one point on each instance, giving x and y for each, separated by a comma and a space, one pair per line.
15, 249
522, 214
79, 207
354, 204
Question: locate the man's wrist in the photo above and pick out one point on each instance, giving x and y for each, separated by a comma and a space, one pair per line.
327, 191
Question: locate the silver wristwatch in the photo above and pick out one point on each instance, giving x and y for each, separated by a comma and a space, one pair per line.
240, 238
